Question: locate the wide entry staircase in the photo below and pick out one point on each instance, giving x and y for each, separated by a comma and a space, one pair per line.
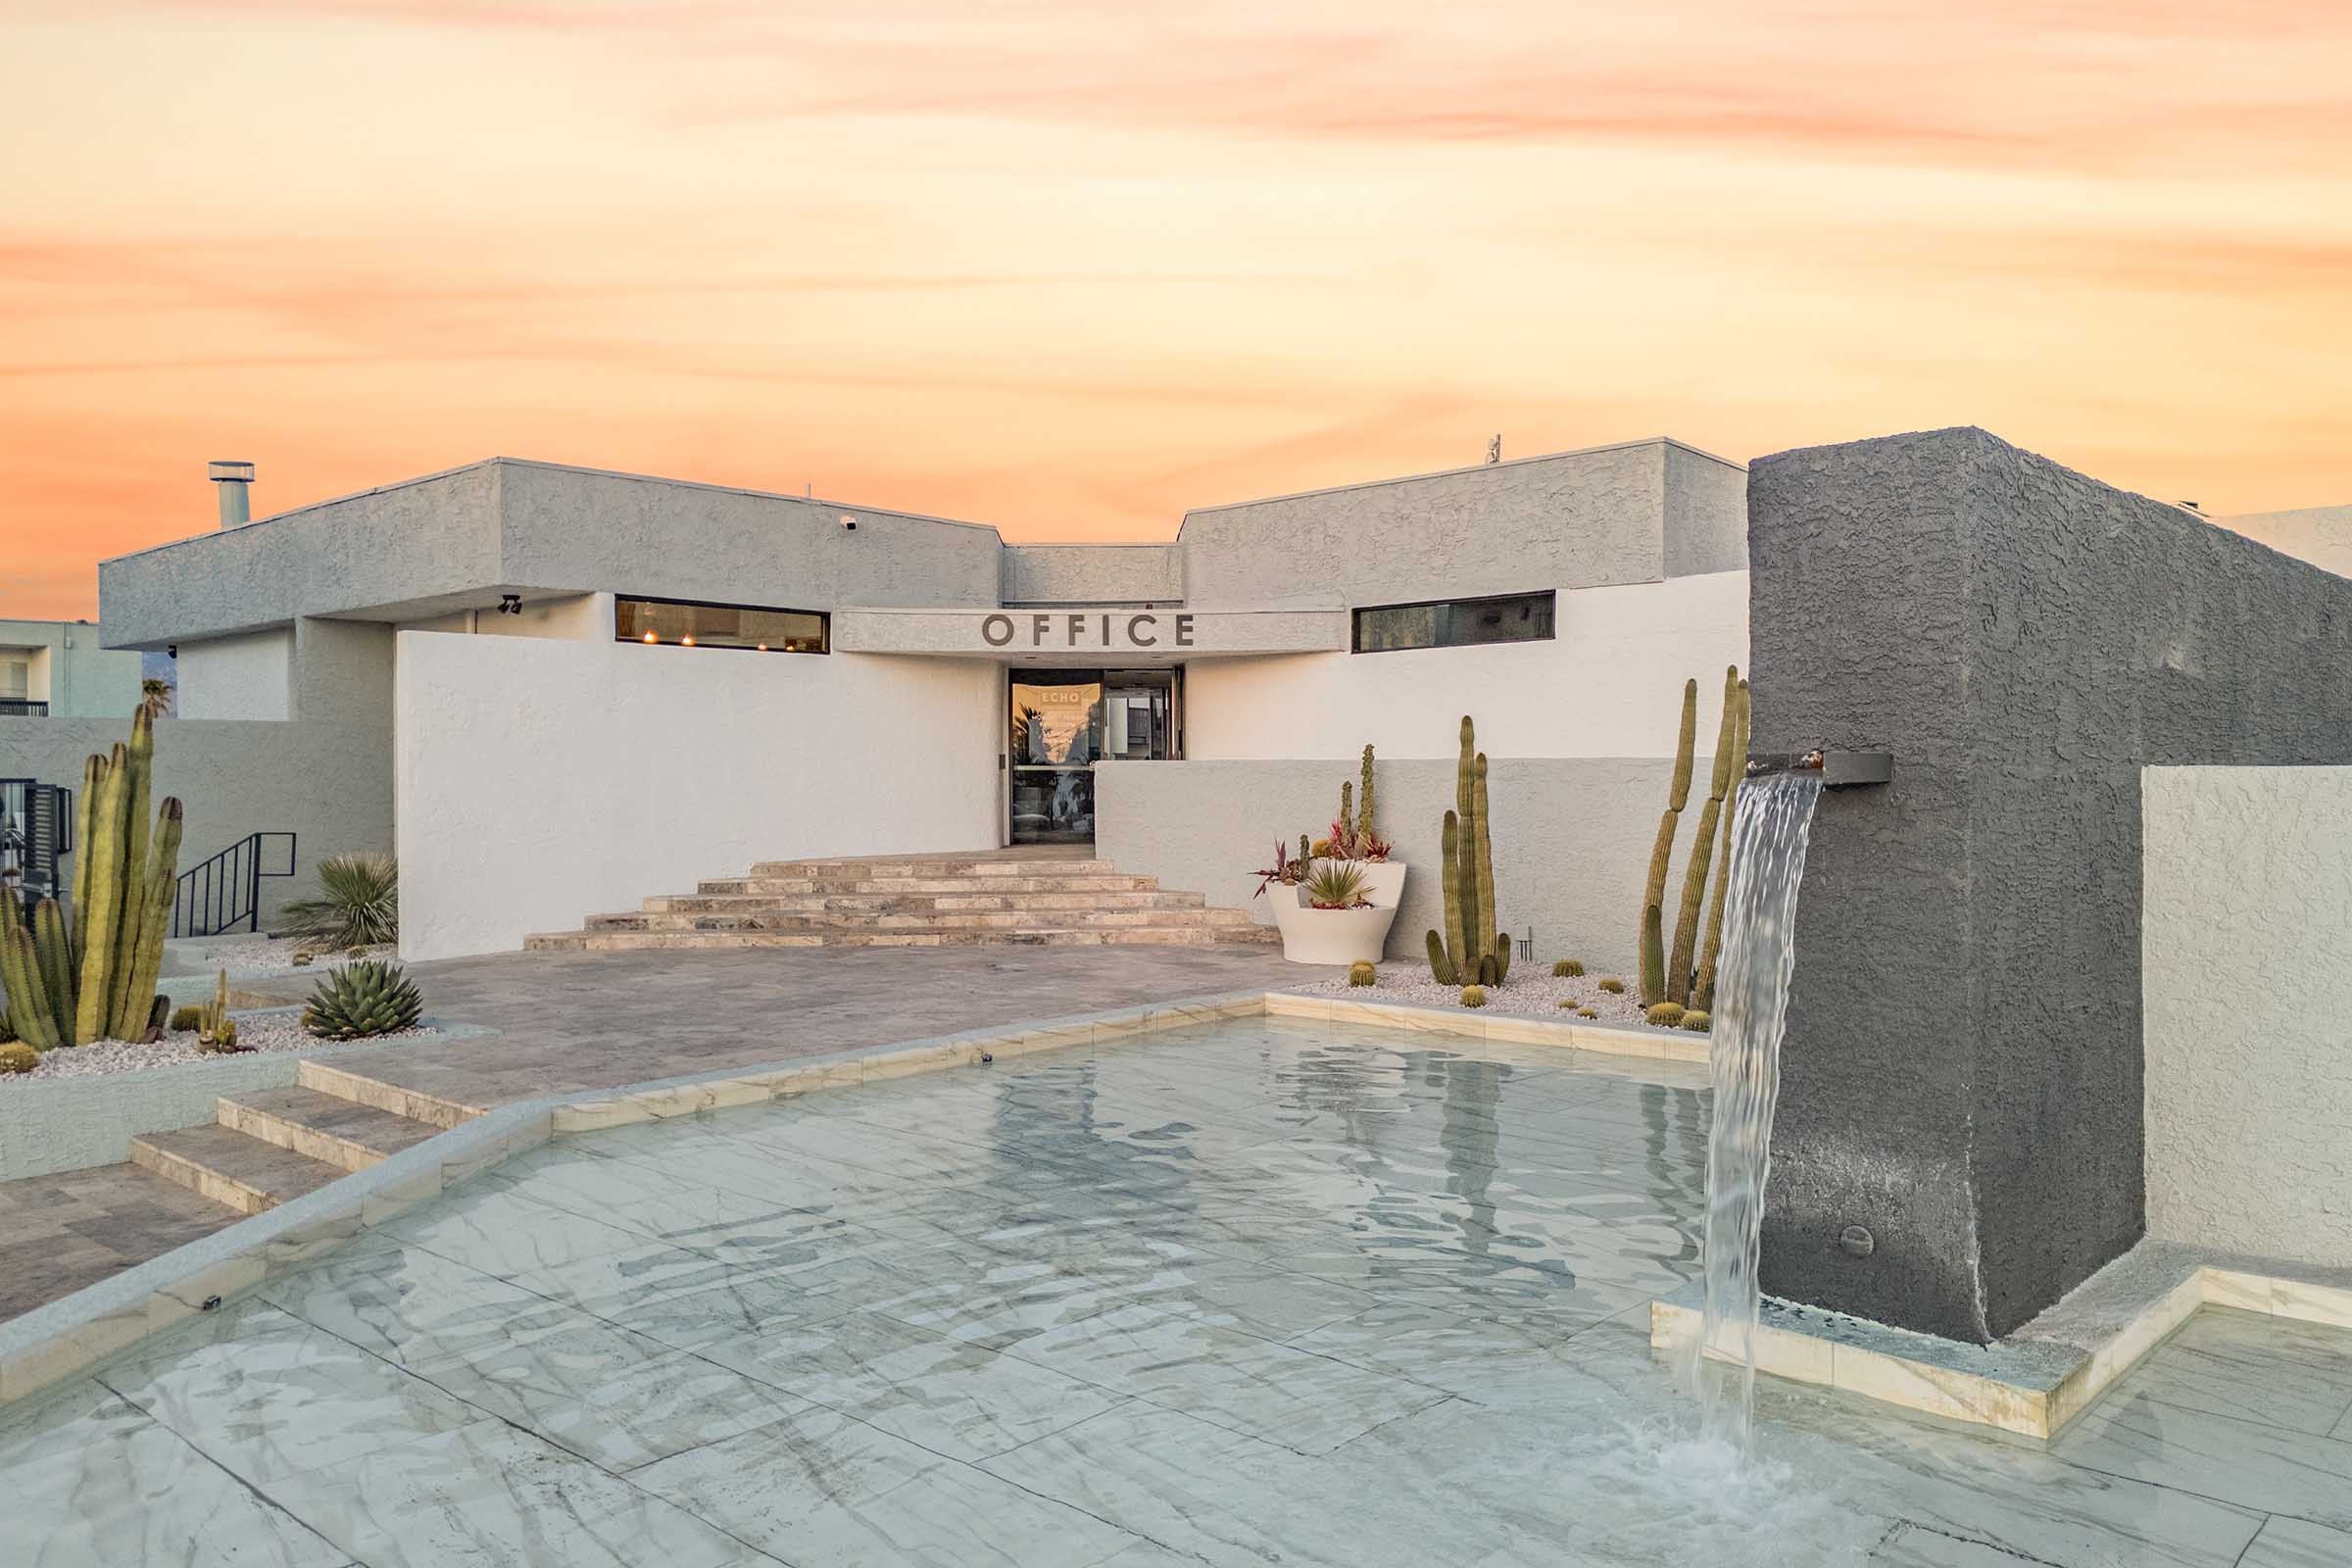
923, 901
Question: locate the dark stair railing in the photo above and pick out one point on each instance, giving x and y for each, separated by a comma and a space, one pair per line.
226, 890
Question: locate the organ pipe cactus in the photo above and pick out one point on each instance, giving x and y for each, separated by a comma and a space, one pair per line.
1473, 950
1702, 988
1363, 803
1653, 898
74, 980
1685, 956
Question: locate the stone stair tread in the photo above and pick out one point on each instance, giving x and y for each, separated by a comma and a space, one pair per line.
264, 1173
377, 1131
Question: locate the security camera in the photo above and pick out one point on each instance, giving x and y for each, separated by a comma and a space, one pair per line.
849, 524
509, 604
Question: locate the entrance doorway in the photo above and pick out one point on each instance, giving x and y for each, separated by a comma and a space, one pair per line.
1062, 721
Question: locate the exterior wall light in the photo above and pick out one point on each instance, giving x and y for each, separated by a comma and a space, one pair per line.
686, 641
650, 638
763, 648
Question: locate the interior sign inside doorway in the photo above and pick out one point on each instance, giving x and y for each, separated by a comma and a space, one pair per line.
1092, 629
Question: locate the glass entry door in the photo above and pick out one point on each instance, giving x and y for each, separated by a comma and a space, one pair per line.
1062, 721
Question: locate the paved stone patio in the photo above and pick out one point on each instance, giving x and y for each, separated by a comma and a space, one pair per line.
586, 1021
1269, 1292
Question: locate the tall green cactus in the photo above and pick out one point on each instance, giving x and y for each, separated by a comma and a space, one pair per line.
74, 980
1703, 990
1653, 899
1685, 955
1473, 950
1363, 801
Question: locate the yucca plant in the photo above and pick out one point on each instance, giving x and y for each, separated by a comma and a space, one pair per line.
1336, 885
359, 999
357, 904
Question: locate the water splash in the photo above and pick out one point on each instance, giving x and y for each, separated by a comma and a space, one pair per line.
1769, 834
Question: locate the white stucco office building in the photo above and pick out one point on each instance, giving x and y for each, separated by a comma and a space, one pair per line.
602, 686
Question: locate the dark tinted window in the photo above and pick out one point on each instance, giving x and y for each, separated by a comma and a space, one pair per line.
1454, 622
752, 626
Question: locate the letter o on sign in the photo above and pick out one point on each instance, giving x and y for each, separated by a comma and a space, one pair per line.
997, 630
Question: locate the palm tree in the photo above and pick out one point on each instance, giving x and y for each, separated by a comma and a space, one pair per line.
155, 697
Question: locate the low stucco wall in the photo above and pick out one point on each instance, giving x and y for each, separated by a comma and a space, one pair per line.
541, 782
1572, 838
2246, 975
328, 784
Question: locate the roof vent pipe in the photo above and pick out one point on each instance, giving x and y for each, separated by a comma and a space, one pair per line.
235, 479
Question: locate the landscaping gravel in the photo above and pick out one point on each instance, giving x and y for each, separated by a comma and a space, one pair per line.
266, 1031
251, 957
1532, 991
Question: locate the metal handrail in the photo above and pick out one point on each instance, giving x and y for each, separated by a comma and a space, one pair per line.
227, 889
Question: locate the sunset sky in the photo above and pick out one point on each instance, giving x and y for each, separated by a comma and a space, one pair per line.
1072, 268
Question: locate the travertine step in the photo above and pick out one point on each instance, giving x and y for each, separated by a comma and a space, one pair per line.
323, 1127
935, 865
229, 1167
948, 920
917, 902
963, 885
410, 1104
1195, 936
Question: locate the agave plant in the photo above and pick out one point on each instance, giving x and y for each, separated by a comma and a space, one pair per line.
1336, 885
357, 904
359, 999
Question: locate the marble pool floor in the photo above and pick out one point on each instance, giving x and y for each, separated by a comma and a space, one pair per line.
1271, 1292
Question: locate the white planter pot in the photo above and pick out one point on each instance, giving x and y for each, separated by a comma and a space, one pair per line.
1330, 936
1384, 881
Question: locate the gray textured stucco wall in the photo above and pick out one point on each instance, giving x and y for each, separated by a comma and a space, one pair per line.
1572, 838
427, 536
1963, 1067
1571, 521
2246, 971
583, 529
1706, 513
329, 783
1099, 574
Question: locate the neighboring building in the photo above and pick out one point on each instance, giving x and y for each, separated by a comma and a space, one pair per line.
2321, 535
600, 686
64, 670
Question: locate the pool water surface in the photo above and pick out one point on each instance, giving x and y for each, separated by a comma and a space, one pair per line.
1268, 1292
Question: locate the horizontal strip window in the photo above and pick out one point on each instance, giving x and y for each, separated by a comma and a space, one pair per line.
1454, 622
689, 624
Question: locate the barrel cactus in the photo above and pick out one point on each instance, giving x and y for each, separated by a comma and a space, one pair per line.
1615, 987
184, 1020
1567, 969
1362, 973
359, 999
1474, 995
18, 1056
1666, 1014
1696, 1021
1588, 1012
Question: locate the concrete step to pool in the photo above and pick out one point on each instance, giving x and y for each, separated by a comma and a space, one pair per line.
1015, 898
229, 1167
322, 1126
1195, 936
413, 1103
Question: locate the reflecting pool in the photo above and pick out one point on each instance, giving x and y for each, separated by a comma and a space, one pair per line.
1266, 1293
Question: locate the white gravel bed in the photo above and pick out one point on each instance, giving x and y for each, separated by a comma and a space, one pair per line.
1532, 991
252, 957
260, 1032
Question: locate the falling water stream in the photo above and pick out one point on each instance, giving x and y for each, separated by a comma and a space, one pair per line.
1769, 833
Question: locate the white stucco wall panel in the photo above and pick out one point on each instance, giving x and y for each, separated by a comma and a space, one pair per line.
543, 781
247, 677
1091, 574
1608, 684
1572, 838
2246, 985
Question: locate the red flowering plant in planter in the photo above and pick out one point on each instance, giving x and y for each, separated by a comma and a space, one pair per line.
1286, 871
